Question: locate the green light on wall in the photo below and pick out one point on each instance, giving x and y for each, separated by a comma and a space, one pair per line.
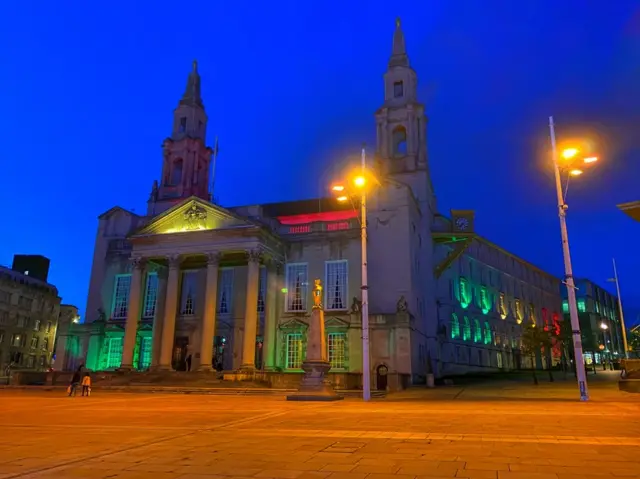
487, 333
582, 306
485, 300
477, 332
465, 293
455, 326
466, 329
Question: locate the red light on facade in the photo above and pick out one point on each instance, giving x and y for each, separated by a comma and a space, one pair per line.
339, 226
300, 229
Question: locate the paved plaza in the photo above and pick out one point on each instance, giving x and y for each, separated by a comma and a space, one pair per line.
498, 430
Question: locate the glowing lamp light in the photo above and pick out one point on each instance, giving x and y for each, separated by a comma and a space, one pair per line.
284, 290
591, 159
575, 172
338, 188
342, 198
359, 181
569, 153
76, 320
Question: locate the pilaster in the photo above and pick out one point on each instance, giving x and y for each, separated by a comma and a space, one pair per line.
274, 269
208, 326
169, 321
133, 314
158, 319
251, 311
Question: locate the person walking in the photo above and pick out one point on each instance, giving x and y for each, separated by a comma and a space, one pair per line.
86, 384
75, 380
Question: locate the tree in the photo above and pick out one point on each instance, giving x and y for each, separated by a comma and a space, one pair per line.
534, 340
633, 339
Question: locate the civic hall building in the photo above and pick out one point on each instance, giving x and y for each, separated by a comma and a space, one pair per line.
196, 286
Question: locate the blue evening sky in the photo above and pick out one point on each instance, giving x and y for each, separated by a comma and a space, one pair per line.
88, 88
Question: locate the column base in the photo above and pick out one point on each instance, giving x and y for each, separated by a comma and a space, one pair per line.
161, 368
127, 368
204, 368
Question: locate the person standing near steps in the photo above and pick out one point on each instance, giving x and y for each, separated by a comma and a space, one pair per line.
75, 381
86, 384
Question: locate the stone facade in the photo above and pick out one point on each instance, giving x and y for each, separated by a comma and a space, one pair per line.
193, 285
29, 309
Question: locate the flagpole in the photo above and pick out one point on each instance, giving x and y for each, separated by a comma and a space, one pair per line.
212, 173
624, 329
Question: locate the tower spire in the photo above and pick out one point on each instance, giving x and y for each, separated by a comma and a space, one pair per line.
399, 56
192, 95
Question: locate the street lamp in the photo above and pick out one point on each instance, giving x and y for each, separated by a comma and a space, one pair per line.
570, 158
355, 185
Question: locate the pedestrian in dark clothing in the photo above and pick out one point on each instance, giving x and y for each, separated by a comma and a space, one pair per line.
188, 361
75, 380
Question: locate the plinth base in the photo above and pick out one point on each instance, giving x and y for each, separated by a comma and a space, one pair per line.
314, 385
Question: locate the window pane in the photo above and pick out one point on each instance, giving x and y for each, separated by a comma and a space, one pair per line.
294, 351
121, 296
150, 296
336, 343
297, 287
115, 353
225, 291
335, 288
187, 305
262, 286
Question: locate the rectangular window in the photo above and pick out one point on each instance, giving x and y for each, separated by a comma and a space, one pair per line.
565, 306
398, 89
36, 325
582, 305
145, 353
336, 285
225, 291
45, 343
15, 340
49, 326
188, 301
114, 354
294, 351
21, 321
43, 361
336, 343
262, 288
5, 297
150, 296
4, 317
121, 296
34, 342
31, 361
183, 124
1, 339
297, 287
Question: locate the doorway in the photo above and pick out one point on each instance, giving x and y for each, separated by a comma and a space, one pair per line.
179, 360
381, 377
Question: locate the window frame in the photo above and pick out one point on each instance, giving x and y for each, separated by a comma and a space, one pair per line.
345, 294
304, 287
114, 296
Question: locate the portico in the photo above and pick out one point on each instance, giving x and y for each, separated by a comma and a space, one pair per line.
191, 246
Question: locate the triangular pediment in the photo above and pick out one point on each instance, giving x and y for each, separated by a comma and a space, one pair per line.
333, 322
294, 324
191, 215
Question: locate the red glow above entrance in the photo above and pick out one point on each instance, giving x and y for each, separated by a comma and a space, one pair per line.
315, 217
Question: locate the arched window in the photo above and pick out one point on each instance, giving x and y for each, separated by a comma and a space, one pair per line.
477, 331
465, 293
176, 172
466, 329
399, 141
455, 326
487, 333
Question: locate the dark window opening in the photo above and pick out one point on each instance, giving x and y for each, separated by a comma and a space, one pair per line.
176, 173
398, 89
183, 124
399, 141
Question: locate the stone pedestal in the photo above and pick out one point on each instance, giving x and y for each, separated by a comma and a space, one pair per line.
315, 386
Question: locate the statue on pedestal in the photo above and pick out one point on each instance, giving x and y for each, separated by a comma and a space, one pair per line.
315, 386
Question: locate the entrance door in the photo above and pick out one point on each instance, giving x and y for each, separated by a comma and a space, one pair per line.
381, 377
180, 353
219, 344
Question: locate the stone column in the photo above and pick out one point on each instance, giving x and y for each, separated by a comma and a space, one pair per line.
158, 319
251, 312
270, 317
208, 327
133, 314
170, 309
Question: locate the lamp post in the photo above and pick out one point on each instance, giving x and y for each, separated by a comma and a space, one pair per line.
569, 154
624, 329
605, 350
356, 186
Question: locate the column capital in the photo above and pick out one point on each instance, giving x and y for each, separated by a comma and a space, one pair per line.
213, 259
137, 263
274, 264
162, 272
254, 255
174, 261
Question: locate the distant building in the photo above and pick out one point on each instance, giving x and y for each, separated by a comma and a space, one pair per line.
231, 287
67, 346
29, 309
34, 265
599, 322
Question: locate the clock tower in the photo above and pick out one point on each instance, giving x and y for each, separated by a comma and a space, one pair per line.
401, 127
